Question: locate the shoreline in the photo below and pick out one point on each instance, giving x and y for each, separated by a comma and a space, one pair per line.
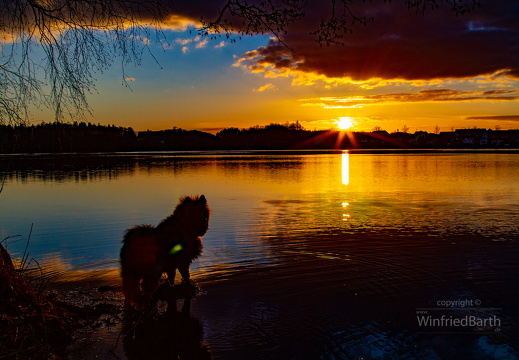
236, 152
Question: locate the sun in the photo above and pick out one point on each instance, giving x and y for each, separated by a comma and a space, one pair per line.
345, 123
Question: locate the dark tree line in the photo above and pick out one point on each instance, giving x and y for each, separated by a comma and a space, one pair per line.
86, 137
62, 137
83, 137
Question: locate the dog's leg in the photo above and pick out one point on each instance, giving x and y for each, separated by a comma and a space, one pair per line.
172, 271
131, 290
150, 283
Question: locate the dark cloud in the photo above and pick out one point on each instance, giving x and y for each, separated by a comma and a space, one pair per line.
398, 44
401, 44
495, 117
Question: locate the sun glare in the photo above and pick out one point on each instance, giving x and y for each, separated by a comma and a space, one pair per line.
345, 123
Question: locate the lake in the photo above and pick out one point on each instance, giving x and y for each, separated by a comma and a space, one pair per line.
309, 255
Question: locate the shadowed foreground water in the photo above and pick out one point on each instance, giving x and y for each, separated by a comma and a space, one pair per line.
308, 256
344, 296
356, 296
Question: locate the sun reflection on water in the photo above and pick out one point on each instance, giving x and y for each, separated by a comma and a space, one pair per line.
345, 216
345, 156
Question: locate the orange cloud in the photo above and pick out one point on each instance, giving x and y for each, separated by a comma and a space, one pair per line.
178, 23
202, 43
439, 95
265, 87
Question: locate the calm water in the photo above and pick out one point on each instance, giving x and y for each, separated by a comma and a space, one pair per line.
309, 255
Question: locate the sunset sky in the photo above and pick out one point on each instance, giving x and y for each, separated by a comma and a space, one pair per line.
402, 69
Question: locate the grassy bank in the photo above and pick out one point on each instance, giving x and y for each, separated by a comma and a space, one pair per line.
39, 324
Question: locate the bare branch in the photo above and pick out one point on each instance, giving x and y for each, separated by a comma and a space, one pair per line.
238, 18
69, 41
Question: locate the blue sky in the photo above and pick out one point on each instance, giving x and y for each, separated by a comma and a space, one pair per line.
189, 88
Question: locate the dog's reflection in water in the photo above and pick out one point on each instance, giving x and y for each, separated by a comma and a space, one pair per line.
172, 334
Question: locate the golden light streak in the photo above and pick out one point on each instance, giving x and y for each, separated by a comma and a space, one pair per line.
345, 157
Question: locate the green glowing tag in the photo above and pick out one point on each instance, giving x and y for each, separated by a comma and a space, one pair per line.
176, 249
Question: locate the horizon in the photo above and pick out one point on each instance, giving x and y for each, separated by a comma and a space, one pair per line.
337, 128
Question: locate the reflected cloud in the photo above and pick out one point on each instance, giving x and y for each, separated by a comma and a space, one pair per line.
55, 268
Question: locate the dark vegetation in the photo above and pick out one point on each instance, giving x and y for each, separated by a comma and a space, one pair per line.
82, 137
35, 323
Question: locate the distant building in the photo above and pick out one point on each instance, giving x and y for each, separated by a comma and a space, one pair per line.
472, 137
